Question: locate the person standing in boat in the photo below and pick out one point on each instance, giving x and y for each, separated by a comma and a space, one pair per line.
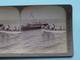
42, 27
52, 27
8, 28
15, 29
47, 26
3, 27
18, 29
60, 28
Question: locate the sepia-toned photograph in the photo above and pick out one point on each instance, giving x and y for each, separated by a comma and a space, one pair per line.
9, 29
35, 29
44, 29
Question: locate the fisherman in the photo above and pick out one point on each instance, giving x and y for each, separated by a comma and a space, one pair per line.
42, 27
18, 29
46, 26
52, 27
8, 28
15, 29
3, 27
60, 28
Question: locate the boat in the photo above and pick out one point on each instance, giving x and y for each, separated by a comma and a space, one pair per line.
32, 26
53, 31
36, 25
10, 32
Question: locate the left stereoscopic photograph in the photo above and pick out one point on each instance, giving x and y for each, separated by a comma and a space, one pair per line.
9, 30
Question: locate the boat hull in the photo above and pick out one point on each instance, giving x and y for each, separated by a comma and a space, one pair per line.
10, 32
30, 28
53, 31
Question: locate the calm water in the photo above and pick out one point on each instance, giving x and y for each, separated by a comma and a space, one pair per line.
33, 41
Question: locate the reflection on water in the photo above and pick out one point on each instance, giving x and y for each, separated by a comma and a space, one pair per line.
7, 41
46, 35
33, 41
3, 37
36, 41
6, 37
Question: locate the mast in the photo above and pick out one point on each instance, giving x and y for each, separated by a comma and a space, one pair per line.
33, 17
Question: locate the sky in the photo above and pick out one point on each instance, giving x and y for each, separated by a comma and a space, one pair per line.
44, 14
9, 13
9, 16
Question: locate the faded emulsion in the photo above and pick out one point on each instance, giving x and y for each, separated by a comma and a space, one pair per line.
35, 29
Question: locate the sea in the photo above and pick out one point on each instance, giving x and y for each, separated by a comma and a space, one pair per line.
33, 41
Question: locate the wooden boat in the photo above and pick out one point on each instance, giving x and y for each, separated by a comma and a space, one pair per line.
31, 27
11, 32
36, 25
53, 31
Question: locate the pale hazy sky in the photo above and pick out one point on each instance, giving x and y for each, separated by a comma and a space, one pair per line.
7, 14
44, 14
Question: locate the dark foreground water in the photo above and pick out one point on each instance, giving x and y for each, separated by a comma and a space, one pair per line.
33, 41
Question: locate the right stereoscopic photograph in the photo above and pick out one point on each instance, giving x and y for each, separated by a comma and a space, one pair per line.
44, 29
36, 31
